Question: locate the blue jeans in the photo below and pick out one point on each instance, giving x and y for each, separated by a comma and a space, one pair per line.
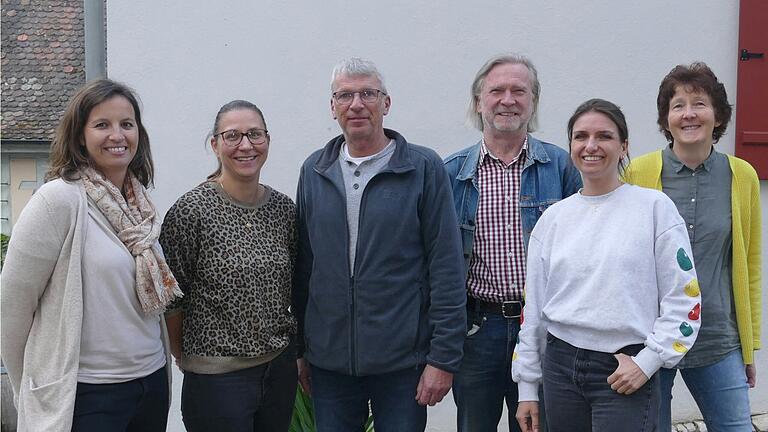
134, 406
260, 398
579, 398
341, 401
484, 380
720, 391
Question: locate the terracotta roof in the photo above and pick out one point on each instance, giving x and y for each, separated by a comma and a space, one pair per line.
42, 63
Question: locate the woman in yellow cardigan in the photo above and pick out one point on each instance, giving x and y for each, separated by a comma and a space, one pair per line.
718, 196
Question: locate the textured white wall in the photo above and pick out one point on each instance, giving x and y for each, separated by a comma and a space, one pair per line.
188, 58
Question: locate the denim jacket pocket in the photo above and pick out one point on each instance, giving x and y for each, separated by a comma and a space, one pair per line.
467, 238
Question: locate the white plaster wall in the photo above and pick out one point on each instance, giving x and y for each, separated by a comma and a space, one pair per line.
187, 58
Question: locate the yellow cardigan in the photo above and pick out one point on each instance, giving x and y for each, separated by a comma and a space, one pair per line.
745, 208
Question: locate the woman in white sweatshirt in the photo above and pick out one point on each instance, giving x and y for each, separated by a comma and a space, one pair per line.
611, 293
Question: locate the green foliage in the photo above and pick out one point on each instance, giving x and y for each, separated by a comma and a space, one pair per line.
303, 419
3, 248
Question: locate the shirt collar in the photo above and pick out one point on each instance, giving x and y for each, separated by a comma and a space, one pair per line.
345, 156
671, 158
486, 155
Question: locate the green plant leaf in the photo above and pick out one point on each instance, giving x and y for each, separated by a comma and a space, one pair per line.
303, 419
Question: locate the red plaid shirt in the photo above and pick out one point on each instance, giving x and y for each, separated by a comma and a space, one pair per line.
497, 266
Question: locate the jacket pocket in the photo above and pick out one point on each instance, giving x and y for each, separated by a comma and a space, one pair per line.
50, 403
326, 325
388, 319
467, 238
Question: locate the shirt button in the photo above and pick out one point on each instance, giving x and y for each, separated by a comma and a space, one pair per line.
690, 226
357, 173
509, 226
693, 199
355, 186
509, 254
693, 174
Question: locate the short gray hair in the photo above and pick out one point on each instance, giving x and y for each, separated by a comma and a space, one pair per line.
474, 118
356, 66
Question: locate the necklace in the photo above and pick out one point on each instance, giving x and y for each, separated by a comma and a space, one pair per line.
260, 195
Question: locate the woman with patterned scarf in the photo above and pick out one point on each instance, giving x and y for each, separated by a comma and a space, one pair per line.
85, 282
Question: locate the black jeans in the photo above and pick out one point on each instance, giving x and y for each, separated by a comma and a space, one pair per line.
260, 398
579, 398
139, 405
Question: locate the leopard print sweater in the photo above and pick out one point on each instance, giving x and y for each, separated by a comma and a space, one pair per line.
234, 264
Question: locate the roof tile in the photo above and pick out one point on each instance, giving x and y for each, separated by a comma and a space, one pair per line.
42, 64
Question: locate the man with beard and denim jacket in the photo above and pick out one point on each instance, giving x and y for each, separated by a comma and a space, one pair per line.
501, 186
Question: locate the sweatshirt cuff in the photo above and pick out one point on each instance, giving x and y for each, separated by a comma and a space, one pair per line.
648, 361
527, 391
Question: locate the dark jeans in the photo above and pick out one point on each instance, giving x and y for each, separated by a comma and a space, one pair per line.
260, 398
341, 401
579, 398
133, 406
484, 381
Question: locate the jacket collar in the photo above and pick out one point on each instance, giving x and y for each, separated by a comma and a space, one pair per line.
536, 153
399, 162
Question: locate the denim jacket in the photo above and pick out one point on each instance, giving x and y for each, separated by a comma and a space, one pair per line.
548, 176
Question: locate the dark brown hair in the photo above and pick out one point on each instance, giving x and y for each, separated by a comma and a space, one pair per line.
696, 77
610, 110
228, 107
68, 151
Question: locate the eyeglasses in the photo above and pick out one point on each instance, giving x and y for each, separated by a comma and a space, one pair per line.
366, 95
233, 137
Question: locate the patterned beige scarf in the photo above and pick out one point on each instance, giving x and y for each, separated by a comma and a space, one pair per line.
134, 219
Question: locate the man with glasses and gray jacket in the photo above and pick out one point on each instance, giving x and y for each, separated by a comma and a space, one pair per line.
380, 283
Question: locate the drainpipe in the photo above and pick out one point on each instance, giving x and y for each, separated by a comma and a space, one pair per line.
95, 39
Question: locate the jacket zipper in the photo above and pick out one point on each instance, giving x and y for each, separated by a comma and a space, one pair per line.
353, 329
352, 288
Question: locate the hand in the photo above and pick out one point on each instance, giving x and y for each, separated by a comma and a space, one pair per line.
305, 380
433, 385
628, 377
751, 372
528, 416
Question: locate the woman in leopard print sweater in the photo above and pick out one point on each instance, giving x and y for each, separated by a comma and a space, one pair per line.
231, 243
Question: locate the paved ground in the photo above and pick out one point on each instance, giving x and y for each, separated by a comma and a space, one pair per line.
759, 424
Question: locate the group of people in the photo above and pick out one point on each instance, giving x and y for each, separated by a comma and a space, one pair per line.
395, 276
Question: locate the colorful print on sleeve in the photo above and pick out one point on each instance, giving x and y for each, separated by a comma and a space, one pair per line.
683, 260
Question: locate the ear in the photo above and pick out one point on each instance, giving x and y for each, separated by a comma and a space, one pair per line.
215, 146
333, 109
624, 149
387, 103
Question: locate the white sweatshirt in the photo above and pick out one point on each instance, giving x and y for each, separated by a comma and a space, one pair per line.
605, 272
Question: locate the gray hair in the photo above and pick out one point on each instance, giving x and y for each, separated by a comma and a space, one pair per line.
474, 118
357, 67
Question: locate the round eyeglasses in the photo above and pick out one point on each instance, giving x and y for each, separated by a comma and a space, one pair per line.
233, 137
366, 95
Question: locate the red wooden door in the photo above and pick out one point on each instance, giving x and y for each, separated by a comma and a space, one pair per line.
752, 85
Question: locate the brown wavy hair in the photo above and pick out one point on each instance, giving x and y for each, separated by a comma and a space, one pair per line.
696, 77
68, 151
